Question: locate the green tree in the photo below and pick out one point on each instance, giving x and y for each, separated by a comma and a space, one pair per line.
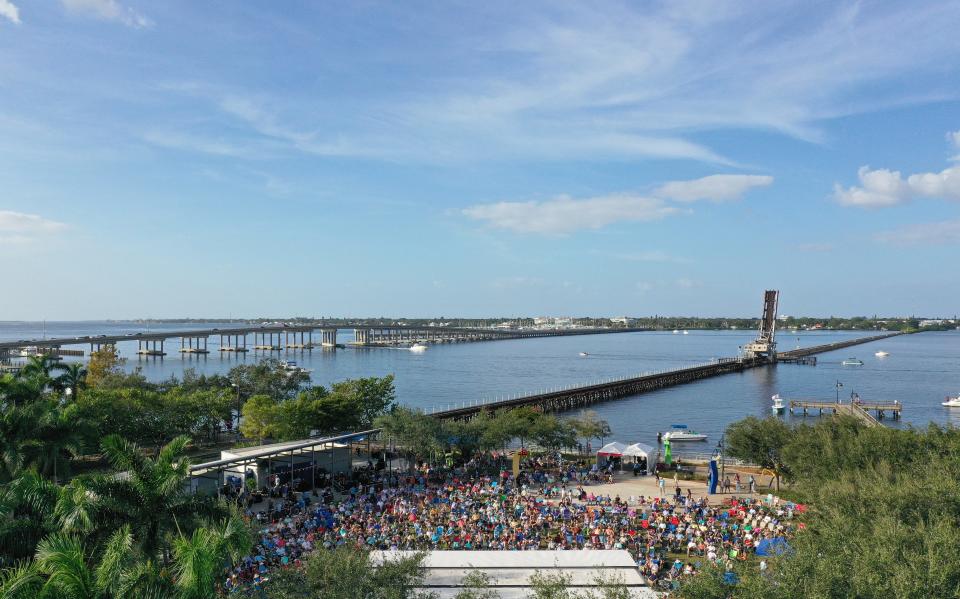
477, 585
761, 442
347, 573
199, 558
415, 432
371, 396
588, 425
151, 495
258, 420
73, 377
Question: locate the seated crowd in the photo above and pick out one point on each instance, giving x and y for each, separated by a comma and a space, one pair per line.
480, 507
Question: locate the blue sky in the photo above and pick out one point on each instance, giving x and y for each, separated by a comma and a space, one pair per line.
240, 158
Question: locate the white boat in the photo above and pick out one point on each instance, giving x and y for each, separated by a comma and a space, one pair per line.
686, 332
676, 331
852, 362
778, 407
418, 347
291, 367
676, 436
584, 354
882, 354
952, 402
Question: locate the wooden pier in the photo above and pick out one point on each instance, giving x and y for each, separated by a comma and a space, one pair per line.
576, 397
857, 409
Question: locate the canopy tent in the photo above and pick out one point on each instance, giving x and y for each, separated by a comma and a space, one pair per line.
613, 449
774, 546
640, 450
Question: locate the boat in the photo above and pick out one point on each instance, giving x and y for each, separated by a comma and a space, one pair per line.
676, 331
291, 367
676, 436
952, 402
584, 354
882, 354
686, 332
418, 347
778, 407
852, 362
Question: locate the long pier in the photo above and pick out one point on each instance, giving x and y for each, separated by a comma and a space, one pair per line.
857, 409
576, 397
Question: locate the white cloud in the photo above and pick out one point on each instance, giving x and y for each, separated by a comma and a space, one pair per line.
21, 228
10, 11
715, 188
884, 187
108, 10
942, 233
19, 222
954, 138
566, 215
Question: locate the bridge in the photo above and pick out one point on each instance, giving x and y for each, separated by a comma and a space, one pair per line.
761, 352
279, 337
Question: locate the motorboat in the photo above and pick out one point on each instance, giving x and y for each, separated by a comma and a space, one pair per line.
676, 331
686, 332
777, 407
676, 436
418, 347
952, 402
291, 367
584, 354
852, 362
882, 354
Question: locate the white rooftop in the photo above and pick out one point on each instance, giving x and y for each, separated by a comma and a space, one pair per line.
510, 571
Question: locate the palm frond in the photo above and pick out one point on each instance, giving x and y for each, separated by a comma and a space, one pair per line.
22, 581
63, 559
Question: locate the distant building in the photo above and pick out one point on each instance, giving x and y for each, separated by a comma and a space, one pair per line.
933, 322
624, 320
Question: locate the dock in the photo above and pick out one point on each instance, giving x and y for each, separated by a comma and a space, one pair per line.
857, 409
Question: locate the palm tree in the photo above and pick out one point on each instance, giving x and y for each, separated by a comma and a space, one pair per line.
17, 426
38, 366
148, 493
20, 390
74, 377
57, 436
27, 514
198, 559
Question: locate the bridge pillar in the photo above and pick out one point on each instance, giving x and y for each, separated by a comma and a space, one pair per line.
328, 337
361, 336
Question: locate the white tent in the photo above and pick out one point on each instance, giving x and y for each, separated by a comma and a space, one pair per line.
613, 449
640, 450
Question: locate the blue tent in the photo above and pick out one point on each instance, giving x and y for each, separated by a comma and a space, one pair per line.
774, 546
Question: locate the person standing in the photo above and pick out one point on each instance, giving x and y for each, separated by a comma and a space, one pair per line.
753, 484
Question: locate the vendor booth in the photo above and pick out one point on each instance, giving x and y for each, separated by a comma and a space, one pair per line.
642, 454
611, 452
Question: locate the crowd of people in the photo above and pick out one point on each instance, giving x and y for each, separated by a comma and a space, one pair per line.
480, 506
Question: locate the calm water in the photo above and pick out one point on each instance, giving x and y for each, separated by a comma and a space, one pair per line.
920, 370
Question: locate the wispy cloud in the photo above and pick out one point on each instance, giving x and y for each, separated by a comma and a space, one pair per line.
9, 11
567, 82
108, 10
941, 233
954, 138
565, 214
19, 227
714, 188
882, 187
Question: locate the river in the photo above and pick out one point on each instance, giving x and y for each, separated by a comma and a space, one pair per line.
920, 370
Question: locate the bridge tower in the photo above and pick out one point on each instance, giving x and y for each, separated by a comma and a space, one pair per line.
765, 344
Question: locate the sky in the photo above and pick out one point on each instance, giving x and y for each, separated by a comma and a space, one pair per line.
235, 158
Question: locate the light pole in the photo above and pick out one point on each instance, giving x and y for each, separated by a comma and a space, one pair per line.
237, 387
839, 386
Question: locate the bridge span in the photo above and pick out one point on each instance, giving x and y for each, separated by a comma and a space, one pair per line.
572, 398
280, 337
